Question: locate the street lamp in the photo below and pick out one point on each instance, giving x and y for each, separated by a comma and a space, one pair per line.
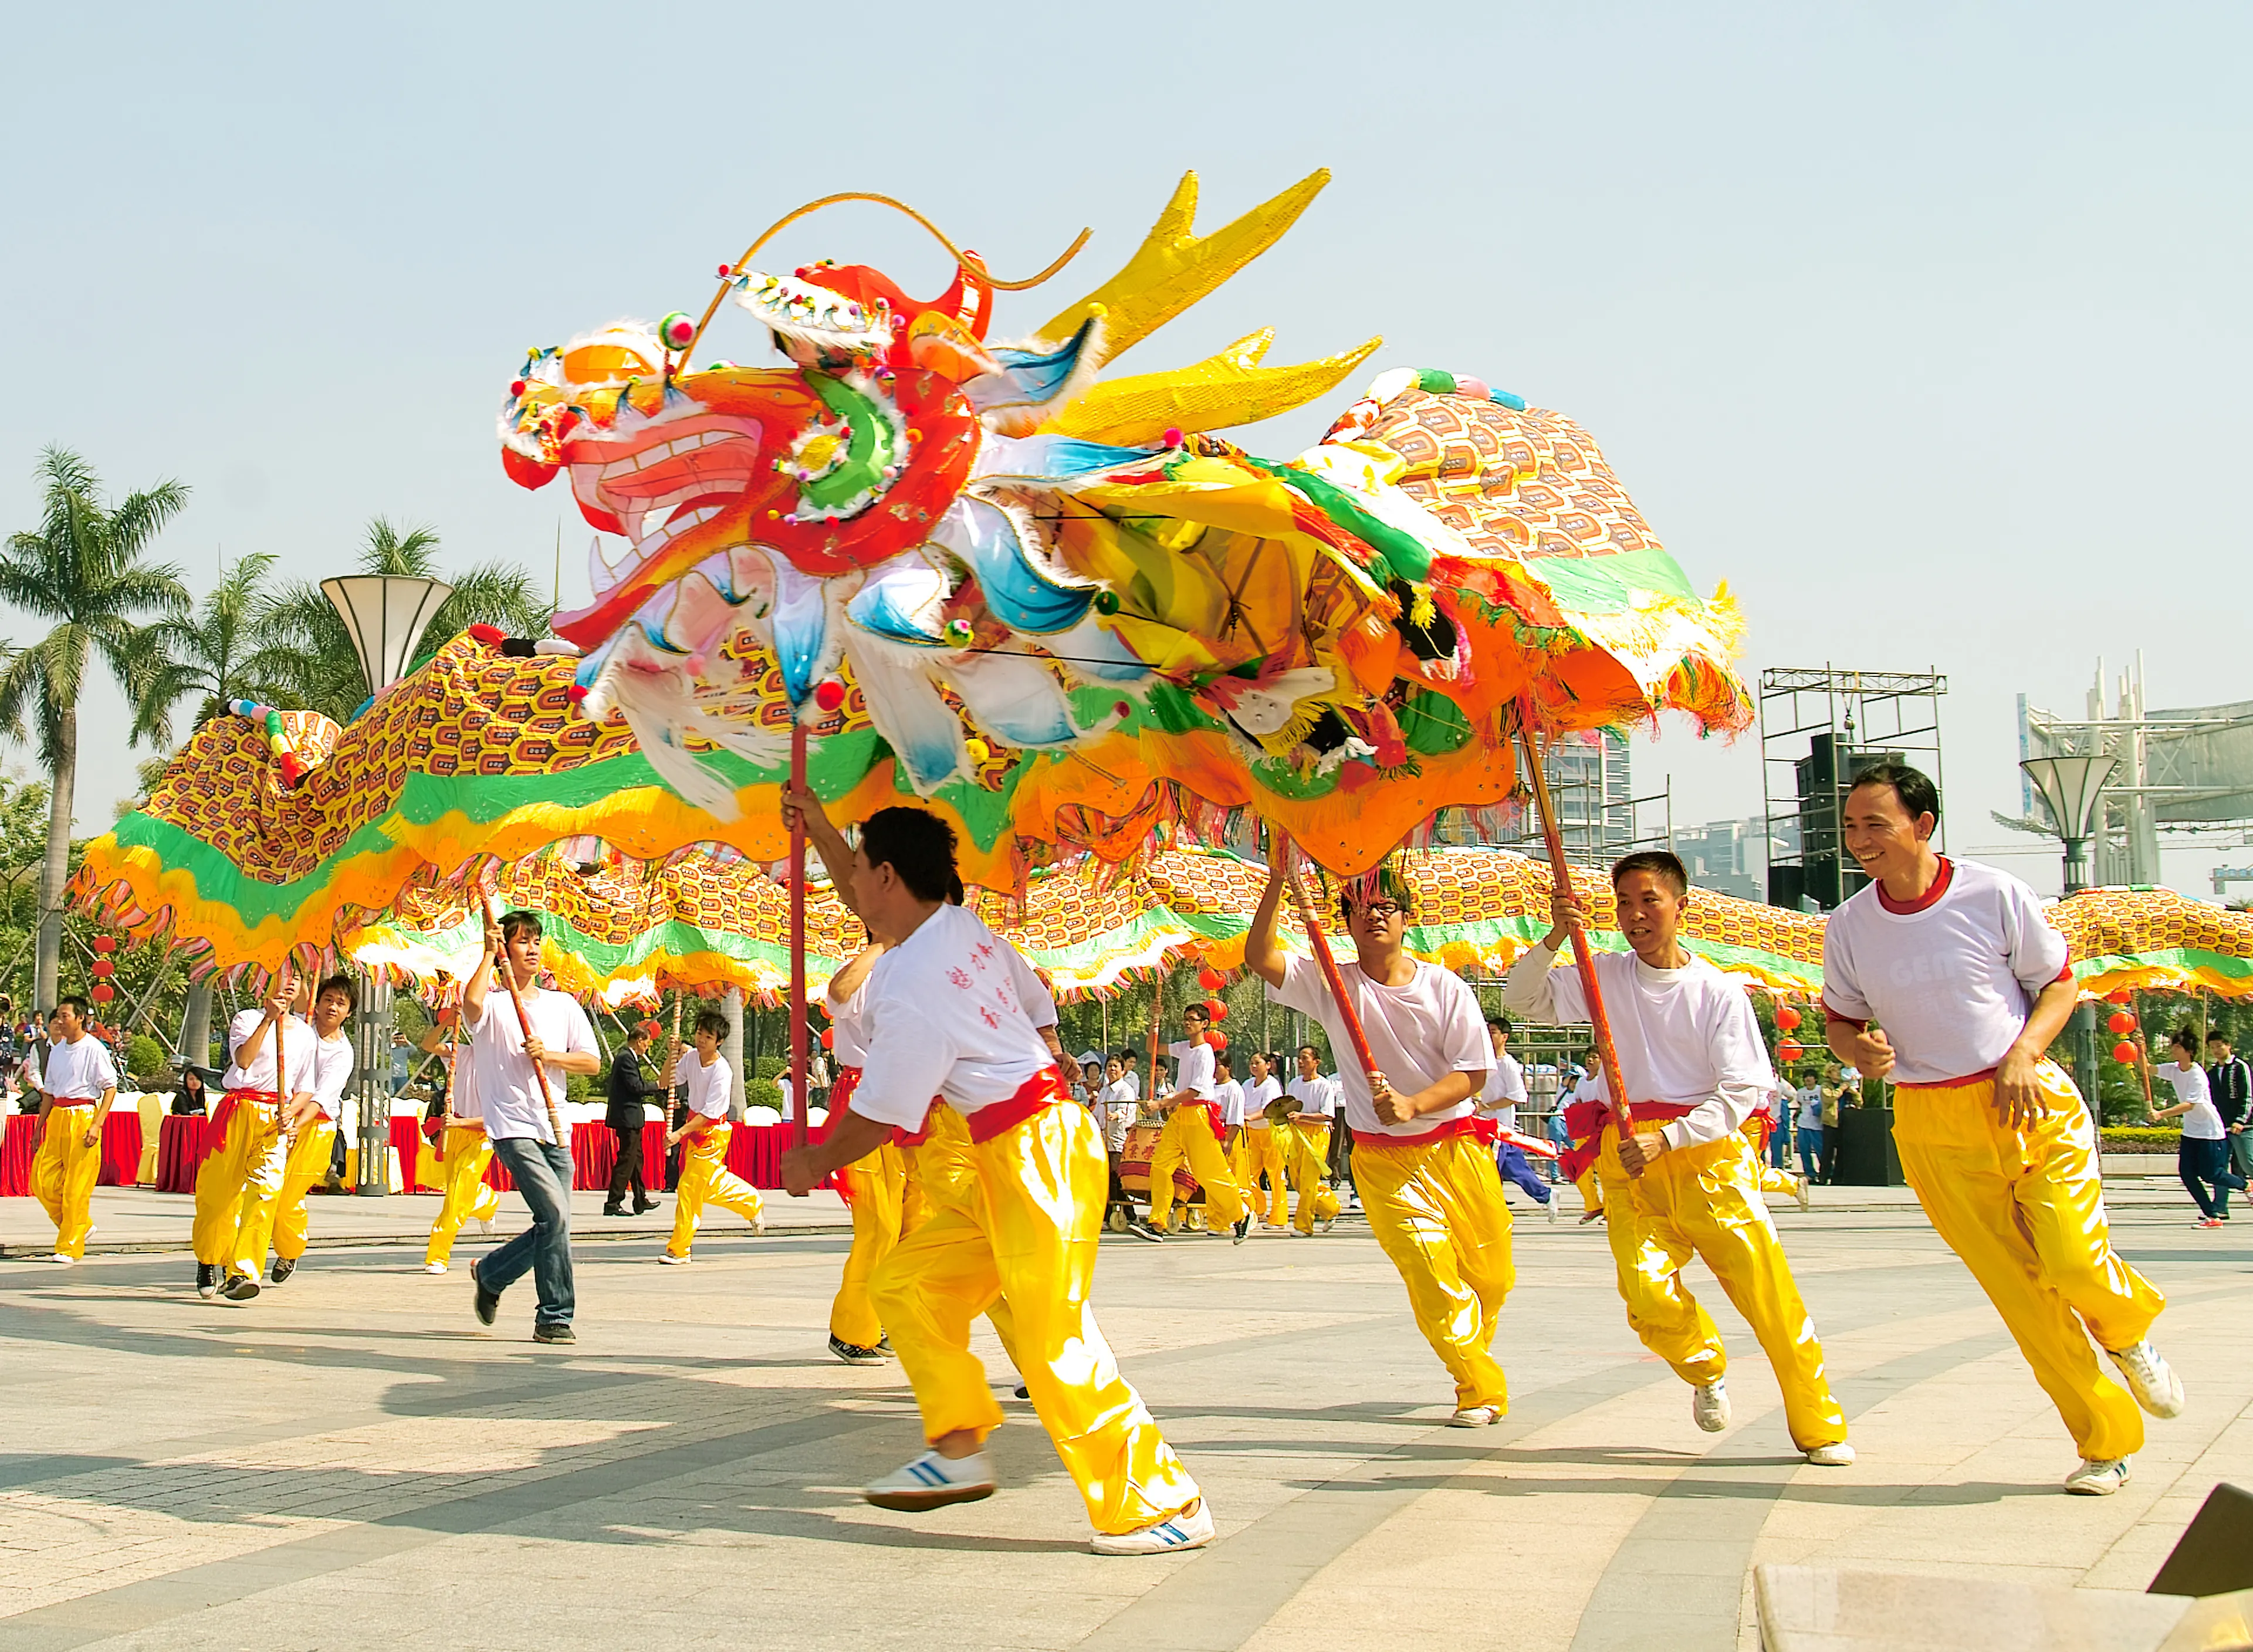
384, 614
2071, 786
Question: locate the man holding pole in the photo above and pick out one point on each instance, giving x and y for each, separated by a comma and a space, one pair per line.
76, 1093
948, 1016
522, 1042
463, 1191
249, 1121
707, 1084
1313, 1106
274, 1197
1422, 1172
1682, 1182
1969, 984
1196, 1132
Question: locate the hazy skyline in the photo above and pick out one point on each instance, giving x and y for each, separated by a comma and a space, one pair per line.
1921, 326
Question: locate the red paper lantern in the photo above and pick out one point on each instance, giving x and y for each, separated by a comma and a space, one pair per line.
2124, 1053
1215, 1008
105, 943
1788, 1050
2120, 1022
1218, 1041
101, 992
1786, 1017
101, 969
1210, 978
2121, 996
828, 1038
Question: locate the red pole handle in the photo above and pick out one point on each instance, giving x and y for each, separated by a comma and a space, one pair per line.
1583, 959
524, 1025
1324, 960
797, 1096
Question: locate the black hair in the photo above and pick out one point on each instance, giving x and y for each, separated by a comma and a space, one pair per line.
638, 1030
1913, 787
1308, 1049
1199, 1011
78, 1006
2215, 1035
1500, 1024
514, 923
2186, 1039
917, 845
714, 1022
338, 983
1663, 864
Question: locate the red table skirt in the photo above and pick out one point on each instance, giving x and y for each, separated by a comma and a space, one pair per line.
754, 1152
184, 1140
121, 1151
595, 1154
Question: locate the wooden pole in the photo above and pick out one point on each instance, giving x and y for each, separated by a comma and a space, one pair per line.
1582, 958
1323, 960
524, 1024
797, 1107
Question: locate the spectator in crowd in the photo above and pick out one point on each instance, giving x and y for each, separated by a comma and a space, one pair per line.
1115, 1112
191, 1100
402, 1062
1809, 1099
2231, 1084
626, 1112
817, 1077
2202, 1157
1132, 1062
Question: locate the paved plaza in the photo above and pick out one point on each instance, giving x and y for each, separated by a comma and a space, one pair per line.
352, 1460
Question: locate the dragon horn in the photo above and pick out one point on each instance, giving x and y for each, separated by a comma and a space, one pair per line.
1230, 388
1174, 267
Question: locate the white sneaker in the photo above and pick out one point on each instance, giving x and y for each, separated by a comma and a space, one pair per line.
933, 1481
1475, 1417
1191, 1529
485, 1226
670, 1260
60, 1260
434, 1268
1806, 1198
1550, 1205
1839, 1456
759, 1225
1709, 1405
2098, 1477
2149, 1378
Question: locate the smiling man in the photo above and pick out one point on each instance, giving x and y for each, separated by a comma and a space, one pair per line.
1424, 1177
1685, 1182
1969, 984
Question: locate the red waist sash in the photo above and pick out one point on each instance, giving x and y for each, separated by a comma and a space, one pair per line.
1585, 1121
263, 1097
1464, 1126
1211, 1110
1042, 1090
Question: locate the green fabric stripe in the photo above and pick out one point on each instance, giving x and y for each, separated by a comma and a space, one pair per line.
1404, 555
2185, 958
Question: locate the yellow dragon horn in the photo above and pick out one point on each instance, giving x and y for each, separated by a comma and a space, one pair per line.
1230, 388
1174, 267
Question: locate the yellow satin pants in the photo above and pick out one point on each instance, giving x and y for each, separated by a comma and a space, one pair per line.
2026, 1212
1258, 1151
1702, 1201
250, 1138
63, 1172
705, 1179
1310, 1167
274, 1199
942, 1175
1028, 1235
464, 1192
1438, 1212
1766, 1177
1188, 1140
877, 1186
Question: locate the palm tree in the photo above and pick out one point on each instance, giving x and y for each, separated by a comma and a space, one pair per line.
318, 668
85, 568
220, 652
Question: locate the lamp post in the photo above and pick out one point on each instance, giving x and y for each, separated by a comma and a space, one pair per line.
2070, 788
385, 615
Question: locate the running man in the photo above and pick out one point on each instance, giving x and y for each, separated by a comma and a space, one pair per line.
948, 1016
707, 1084
1968, 984
1195, 1133
76, 1093
1684, 1183
1260, 1149
249, 1123
1313, 1106
274, 1197
1424, 1177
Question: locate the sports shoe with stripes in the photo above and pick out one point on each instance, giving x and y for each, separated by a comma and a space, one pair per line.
933, 1481
1191, 1529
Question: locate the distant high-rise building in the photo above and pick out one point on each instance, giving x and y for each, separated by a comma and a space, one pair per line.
1592, 787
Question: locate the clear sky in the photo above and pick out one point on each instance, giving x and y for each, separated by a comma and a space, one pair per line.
1922, 326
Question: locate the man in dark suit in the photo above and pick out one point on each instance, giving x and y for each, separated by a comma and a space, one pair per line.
629, 1089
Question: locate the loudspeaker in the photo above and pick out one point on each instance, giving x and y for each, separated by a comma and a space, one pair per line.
2214, 1555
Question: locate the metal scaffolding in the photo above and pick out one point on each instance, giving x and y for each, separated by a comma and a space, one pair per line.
1821, 726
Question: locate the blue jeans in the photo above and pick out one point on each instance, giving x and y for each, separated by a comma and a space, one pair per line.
1509, 1158
1778, 1146
2204, 1166
542, 1172
1810, 1153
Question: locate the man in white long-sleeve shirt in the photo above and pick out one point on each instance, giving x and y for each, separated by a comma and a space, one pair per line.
1684, 1183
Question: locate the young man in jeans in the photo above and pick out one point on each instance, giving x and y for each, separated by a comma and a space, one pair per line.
504, 1066
2232, 1084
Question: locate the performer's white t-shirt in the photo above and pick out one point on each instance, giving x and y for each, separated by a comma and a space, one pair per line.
1418, 1034
706, 1091
1317, 1094
2203, 1121
1256, 1098
1193, 1069
1504, 1090
1230, 1095
848, 1025
333, 1070
508, 1093
1951, 979
947, 1017
461, 1083
1685, 1037
79, 1071
298, 1041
